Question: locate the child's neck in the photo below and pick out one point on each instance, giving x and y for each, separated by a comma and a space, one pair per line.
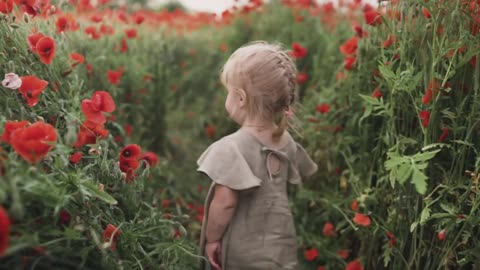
263, 131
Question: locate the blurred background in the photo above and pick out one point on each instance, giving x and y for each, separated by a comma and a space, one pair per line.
218, 6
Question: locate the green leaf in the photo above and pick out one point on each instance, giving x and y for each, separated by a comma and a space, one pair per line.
394, 162
449, 208
422, 157
419, 179
403, 173
424, 216
413, 226
94, 190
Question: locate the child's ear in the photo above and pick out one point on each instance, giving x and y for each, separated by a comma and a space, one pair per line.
243, 96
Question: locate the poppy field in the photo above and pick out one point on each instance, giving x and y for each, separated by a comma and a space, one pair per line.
104, 110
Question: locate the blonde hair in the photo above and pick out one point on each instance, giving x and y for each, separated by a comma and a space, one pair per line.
267, 74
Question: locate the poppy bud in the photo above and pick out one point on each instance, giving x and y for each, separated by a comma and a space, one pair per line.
26, 18
94, 151
53, 9
123, 175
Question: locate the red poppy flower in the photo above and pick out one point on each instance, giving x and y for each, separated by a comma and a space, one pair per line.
6, 6
94, 108
349, 47
32, 41
111, 233
354, 205
4, 231
323, 108
77, 58
131, 33
298, 51
343, 253
426, 13
106, 29
302, 77
96, 18
34, 142
441, 235
376, 93
431, 90
427, 97
89, 132
328, 229
390, 40
444, 134
46, 49
391, 239
10, 127
223, 47
425, 117
64, 217
131, 151
62, 24
321, 267
123, 17
124, 46
91, 31
31, 89
138, 18
165, 203
311, 254
354, 265
210, 131
114, 76
76, 157
373, 17
362, 220
349, 62
128, 129
150, 157
359, 31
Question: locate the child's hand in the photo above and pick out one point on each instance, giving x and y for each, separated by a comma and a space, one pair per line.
214, 253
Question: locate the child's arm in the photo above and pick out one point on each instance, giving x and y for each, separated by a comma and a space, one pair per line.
222, 208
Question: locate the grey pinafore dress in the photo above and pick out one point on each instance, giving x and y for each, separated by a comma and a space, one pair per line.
261, 234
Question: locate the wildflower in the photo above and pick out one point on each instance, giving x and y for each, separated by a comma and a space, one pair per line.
76, 157
31, 89
111, 233
46, 49
10, 127
349, 47
34, 142
12, 81
311, 254
323, 108
362, 220
373, 17
150, 157
298, 51
441, 235
94, 108
302, 77
425, 117
4, 231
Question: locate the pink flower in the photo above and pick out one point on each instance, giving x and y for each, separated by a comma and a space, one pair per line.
12, 81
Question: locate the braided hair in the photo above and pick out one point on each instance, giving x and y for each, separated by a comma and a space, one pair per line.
267, 74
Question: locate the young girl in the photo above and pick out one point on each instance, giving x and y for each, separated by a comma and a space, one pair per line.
248, 224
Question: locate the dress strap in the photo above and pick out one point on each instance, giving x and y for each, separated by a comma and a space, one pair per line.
270, 152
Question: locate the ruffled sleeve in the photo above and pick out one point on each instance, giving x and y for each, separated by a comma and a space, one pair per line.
224, 164
303, 167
